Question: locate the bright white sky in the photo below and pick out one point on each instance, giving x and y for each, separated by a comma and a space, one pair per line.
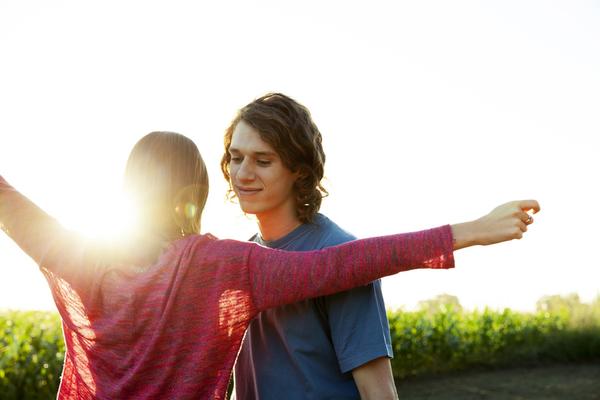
431, 112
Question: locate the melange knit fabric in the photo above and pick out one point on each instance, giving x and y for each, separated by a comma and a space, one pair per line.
172, 329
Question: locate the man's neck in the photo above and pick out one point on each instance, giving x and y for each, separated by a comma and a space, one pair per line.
274, 227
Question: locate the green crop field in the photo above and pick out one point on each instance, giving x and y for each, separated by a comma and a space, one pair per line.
442, 338
31, 355
451, 350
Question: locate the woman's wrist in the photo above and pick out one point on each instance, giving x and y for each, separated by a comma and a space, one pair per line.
464, 235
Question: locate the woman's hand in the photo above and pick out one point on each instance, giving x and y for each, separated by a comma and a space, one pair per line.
506, 222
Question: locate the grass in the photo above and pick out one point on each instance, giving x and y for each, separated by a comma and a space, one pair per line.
556, 382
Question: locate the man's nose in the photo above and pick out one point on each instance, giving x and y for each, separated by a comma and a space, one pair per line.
245, 171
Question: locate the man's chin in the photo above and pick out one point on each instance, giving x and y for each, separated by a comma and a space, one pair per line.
249, 209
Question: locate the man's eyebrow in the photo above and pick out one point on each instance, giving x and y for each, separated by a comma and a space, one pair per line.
265, 153
256, 153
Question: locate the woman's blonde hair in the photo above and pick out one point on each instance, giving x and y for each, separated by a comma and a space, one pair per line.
168, 183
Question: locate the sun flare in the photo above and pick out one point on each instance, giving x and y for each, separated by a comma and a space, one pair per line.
111, 216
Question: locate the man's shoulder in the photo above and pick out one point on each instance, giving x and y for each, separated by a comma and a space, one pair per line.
328, 232
320, 233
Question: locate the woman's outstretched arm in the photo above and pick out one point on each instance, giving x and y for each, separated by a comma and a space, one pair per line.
39, 235
29, 226
278, 277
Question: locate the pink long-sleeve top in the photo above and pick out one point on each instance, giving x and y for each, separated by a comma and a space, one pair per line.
172, 329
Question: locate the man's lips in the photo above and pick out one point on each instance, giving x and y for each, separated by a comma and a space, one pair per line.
246, 191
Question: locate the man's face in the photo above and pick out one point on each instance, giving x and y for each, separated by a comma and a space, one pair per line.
262, 183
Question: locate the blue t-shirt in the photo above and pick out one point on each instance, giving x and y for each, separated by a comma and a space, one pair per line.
307, 350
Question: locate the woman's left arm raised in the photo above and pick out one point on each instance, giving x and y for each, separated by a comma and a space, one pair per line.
39, 235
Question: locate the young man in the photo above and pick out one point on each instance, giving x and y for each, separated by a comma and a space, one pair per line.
335, 347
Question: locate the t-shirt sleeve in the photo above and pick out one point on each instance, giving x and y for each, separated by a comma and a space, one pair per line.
278, 277
359, 327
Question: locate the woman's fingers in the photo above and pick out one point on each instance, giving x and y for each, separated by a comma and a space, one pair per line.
522, 216
525, 217
527, 205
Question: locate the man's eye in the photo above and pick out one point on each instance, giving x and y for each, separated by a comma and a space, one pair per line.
263, 163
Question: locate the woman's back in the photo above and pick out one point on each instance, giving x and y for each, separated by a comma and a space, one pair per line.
169, 330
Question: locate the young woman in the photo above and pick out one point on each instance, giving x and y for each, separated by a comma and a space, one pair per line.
162, 315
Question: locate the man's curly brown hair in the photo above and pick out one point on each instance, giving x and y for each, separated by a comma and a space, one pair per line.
287, 126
